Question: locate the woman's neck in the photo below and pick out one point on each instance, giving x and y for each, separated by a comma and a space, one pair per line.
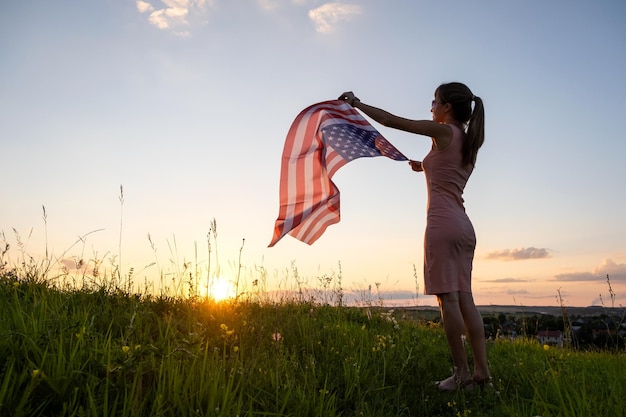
454, 122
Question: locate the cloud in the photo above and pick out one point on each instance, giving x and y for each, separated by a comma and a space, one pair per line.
143, 7
517, 292
507, 280
165, 18
576, 276
328, 15
608, 267
177, 16
611, 268
174, 14
519, 254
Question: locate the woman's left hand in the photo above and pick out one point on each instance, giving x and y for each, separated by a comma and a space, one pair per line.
416, 166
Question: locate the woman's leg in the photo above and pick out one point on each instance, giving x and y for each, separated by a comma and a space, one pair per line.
476, 335
454, 327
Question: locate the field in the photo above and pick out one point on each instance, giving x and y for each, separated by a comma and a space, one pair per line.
106, 352
88, 345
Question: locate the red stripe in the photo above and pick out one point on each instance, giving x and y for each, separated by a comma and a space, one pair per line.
309, 200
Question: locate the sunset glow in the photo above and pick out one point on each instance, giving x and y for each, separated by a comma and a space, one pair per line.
221, 289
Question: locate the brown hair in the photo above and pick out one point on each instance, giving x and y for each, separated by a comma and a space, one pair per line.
461, 97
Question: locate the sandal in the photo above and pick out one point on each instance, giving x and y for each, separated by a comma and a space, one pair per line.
454, 383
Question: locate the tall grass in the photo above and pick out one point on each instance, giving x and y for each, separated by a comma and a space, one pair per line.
111, 353
89, 345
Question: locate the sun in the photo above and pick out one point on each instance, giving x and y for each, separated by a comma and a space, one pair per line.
221, 289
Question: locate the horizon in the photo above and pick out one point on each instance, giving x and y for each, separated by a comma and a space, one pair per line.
222, 286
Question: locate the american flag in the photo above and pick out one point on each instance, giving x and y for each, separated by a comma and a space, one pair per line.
323, 138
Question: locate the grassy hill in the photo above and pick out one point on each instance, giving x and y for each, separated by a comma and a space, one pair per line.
106, 352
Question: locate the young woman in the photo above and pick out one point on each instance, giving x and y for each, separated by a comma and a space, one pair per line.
457, 132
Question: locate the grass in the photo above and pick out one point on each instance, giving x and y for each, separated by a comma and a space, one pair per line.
88, 345
111, 353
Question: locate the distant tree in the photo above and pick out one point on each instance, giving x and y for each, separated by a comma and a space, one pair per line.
550, 322
502, 318
492, 325
529, 325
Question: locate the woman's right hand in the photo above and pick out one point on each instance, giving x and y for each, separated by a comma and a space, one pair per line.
348, 97
416, 165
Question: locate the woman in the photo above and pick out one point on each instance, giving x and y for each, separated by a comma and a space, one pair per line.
457, 132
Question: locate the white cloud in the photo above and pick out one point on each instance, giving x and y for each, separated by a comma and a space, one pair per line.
179, 16
327, 16
143, 7
174, 14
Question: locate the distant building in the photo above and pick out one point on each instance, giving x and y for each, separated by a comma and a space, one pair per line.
550, 337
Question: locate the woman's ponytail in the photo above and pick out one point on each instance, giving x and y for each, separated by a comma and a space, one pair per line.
475, 133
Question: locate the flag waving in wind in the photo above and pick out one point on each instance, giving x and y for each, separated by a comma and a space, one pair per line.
323, 138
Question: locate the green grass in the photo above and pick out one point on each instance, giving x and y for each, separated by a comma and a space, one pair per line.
105, 352
82, 343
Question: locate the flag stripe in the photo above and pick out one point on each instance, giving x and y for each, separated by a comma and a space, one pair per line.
309, 200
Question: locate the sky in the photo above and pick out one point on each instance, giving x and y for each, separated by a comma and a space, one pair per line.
135, 124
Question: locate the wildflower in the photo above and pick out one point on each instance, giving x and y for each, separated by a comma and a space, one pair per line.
235, 349
546, 347
125, 349
80, 334
16, 284
227, 332
276, 337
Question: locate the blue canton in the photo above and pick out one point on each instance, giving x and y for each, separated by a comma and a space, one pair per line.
350, 141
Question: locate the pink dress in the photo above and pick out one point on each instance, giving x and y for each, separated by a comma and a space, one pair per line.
449, 241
